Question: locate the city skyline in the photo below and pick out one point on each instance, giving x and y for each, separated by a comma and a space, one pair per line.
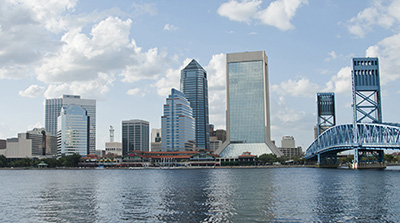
128, 55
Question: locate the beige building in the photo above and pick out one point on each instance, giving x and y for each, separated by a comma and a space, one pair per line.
288, 147
114, 148
34, 143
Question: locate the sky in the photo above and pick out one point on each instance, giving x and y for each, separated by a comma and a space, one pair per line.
128, 55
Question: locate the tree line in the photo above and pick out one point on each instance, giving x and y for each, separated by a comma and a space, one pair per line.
65, 161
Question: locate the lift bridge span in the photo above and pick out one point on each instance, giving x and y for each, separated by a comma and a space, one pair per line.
368, 136
366, 139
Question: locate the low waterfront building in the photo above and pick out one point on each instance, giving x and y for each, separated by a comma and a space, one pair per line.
291, 152
35, 143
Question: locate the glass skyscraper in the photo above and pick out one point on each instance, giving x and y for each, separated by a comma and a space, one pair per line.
177, 123
248, 118
53, 108
194, 86
135, 136
73, 131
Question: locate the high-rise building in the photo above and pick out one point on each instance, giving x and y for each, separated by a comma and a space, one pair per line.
288, 142
52, 111
194, 86
155, 140
53, 108
135, 136
73, 131
177, 123
248, 113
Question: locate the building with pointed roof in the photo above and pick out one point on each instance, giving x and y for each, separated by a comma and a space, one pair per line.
195, 87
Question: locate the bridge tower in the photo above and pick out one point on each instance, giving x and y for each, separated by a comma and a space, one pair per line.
326, 111
325, 120
367, 107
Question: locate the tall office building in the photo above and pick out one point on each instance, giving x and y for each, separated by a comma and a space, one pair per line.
53, 108
135, 136
194, 86
73, 131
248, 113
177, 123
52, 111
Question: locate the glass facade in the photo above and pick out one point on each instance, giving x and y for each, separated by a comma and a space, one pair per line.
73, 131
177, 123
194, 86
53, 109
246, 102
248, 121
135, 136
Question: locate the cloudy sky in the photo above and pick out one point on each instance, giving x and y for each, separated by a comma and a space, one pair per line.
128, 55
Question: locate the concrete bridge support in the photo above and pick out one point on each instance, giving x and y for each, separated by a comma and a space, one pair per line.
327, 160
368, 159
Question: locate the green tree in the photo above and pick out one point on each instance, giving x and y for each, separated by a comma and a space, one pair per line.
3, 161
389, 158
267, 158
72, 160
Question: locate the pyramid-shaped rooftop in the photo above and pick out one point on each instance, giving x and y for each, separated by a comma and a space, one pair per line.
193, 65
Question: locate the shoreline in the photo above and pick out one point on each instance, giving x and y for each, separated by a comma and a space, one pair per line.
160, 168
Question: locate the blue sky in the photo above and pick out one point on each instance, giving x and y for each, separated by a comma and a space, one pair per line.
128, 55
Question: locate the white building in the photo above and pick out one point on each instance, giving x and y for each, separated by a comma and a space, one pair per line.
52, 112
73, 131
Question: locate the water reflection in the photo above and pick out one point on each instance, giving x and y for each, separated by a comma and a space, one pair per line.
68, 196
204, 195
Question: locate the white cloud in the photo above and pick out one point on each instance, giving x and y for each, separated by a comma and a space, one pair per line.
341, 82
94, 88
388, 51
144, 8
82, 58
136, 92
170, 27
32, 91
381, 13
278, 14
300, 88
216, 72
171, 79
286, 120
147, 65
239, 11
332, 56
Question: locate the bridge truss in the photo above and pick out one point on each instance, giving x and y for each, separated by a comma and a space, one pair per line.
370, 139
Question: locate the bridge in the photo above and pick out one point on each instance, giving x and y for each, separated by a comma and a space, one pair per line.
367, 139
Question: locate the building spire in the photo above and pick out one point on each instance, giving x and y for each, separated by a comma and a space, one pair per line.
111, 134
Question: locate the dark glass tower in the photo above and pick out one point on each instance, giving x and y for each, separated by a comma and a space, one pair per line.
194, 86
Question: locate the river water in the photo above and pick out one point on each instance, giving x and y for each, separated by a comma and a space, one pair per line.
200, 195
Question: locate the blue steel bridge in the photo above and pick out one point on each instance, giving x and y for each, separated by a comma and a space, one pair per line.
367, 139
367, 136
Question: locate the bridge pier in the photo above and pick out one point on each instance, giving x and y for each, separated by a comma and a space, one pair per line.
368, 159
327, 160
